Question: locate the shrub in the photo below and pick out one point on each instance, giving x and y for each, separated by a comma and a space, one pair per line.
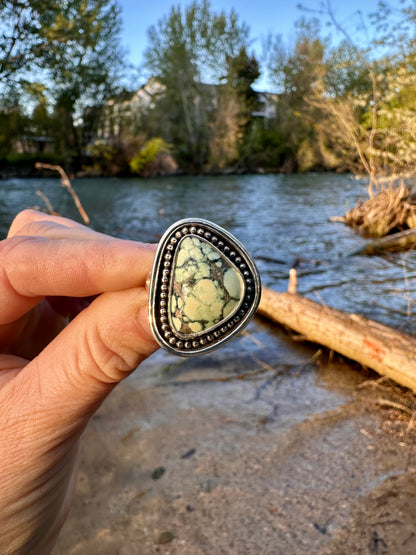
148, 154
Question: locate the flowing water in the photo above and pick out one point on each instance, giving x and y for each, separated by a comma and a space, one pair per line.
283, 220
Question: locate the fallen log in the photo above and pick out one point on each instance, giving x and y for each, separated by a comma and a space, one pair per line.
396, 242
387, 351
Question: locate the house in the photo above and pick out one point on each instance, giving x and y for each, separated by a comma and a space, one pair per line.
123, 112
25, 144
266, 107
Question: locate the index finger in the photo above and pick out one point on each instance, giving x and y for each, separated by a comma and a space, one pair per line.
32, 217
69, 262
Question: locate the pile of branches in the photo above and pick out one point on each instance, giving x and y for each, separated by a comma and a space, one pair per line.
392, 209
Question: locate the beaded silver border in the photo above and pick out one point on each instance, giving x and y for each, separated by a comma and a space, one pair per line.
235, 253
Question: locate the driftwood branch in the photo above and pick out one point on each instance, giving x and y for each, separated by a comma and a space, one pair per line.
65, 182
47, 202
293, 281
393, 208
387, 351
396, 242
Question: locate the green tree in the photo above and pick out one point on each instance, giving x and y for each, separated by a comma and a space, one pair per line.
346, 109
297, 72
21, 44
235, 103
71, 48
40, 123
66, 42
367, 101
12, 123
188, 53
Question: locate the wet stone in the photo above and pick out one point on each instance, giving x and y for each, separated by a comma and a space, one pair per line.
158, 472
205, 287
165, 537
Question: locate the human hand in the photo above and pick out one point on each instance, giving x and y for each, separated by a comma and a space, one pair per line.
54, 374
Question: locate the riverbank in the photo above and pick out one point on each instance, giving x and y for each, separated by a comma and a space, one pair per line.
24, 167
264, 452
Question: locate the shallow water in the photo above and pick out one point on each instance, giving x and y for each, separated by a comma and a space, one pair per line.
283, 220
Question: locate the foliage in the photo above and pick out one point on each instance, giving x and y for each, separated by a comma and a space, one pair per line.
63, 43
188, 51
366, 102
340, 106
266, 148
32, 157
103, 156
297, 71
196, 40
21, 44
12, 123
60, 54
112, 157
151, 150
235, 103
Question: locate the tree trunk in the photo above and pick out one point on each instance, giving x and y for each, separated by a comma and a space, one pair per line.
385, 350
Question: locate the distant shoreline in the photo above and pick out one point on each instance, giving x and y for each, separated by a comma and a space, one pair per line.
27, 170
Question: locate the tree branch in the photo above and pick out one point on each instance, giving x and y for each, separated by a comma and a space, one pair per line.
65, 182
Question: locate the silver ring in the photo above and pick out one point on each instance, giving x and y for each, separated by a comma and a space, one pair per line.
204, 289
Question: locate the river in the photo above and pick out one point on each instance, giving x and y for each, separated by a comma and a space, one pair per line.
282, 219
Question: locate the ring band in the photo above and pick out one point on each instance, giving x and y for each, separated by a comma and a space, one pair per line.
204, 289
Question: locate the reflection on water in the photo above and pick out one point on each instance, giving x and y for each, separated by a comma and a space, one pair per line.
281, 219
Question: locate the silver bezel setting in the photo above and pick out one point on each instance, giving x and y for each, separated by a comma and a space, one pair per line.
161, 281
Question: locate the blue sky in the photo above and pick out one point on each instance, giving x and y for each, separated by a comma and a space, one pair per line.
262, 16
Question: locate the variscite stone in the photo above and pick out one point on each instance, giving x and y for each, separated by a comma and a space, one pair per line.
205, 288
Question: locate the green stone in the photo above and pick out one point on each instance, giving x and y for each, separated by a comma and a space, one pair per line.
205, 287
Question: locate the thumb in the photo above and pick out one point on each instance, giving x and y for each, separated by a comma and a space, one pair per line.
70, 378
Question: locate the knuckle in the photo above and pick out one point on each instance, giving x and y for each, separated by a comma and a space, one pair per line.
108, 363
12, 261
23, 218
